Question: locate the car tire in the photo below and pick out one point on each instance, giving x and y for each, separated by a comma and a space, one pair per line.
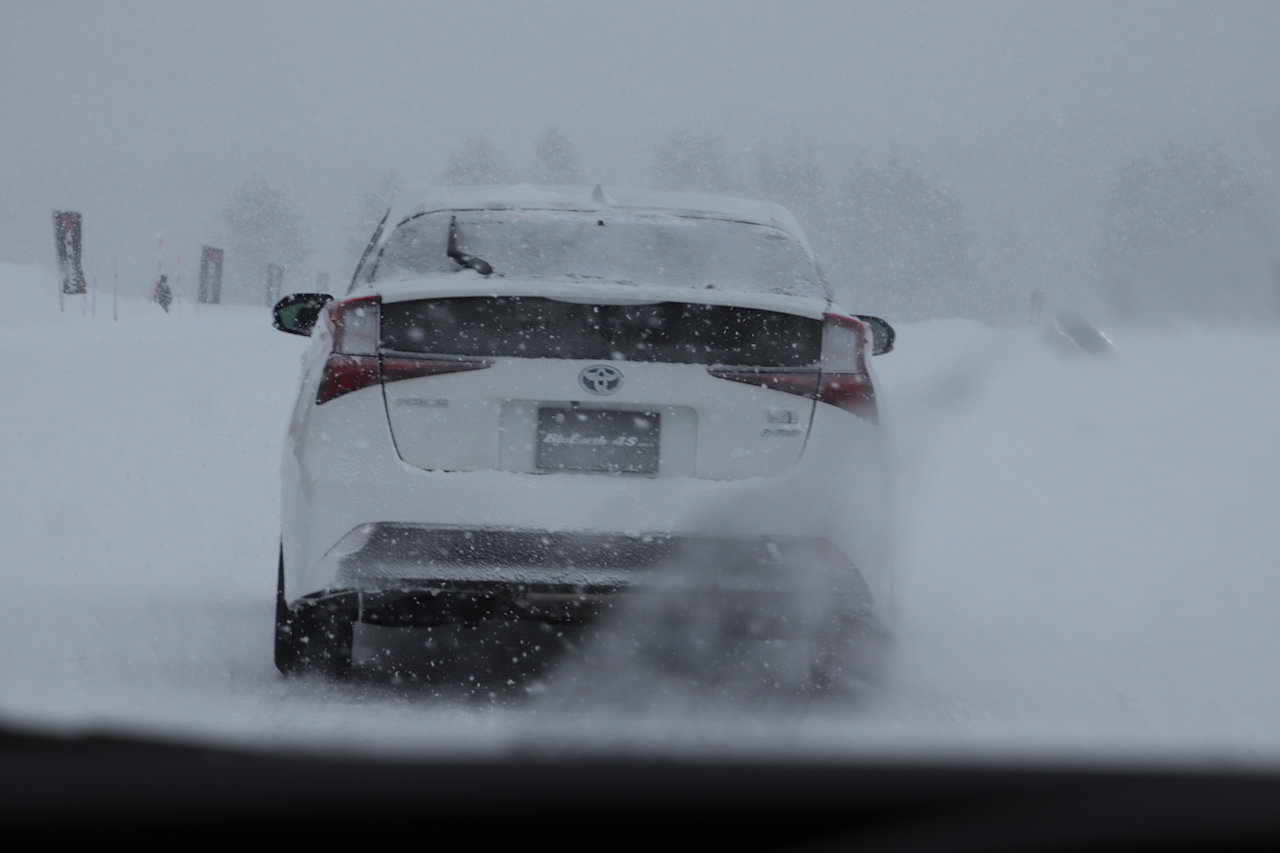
286, 645
311, 638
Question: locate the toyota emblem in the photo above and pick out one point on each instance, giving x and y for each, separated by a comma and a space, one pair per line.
600, 379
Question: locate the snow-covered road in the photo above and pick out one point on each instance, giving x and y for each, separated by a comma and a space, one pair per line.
1089, 562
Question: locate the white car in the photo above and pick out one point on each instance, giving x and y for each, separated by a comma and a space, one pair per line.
536, 401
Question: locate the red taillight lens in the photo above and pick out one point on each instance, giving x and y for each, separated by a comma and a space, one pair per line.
842, 380
394, 369
346, 373
845, 341
355, 362
354, 325
846, 344
852, 392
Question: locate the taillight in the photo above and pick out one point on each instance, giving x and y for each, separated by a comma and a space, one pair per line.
346, 373
355, 362
841, 379
846, 344
852, 392
354, 325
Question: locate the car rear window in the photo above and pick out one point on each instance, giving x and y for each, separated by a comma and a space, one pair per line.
536, 327
613, 247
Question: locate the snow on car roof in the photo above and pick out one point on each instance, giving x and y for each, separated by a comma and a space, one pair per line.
602, 198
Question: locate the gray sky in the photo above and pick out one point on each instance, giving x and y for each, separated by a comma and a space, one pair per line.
145, 114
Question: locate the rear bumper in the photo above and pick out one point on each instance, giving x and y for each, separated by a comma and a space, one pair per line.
335, 489
420, 575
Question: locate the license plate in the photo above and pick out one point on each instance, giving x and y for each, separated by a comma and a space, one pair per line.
596, 440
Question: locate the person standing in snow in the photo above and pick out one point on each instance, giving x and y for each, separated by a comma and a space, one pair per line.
162, 294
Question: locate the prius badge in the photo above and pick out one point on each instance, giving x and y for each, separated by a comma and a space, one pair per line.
600, 379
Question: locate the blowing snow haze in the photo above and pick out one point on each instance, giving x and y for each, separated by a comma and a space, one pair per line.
1085, 546
990, 140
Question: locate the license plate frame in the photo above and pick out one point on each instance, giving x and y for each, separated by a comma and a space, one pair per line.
608, 441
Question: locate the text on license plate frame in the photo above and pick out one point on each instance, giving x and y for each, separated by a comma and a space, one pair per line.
602, 440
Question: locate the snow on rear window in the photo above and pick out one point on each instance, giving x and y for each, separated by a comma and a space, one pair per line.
615, 247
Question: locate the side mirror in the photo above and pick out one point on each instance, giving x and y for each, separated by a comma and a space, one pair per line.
297, 313
882, 334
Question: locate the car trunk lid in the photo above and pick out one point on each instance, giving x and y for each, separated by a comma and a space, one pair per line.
591, 384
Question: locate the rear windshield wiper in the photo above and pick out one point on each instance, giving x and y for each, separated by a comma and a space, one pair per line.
471, 262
